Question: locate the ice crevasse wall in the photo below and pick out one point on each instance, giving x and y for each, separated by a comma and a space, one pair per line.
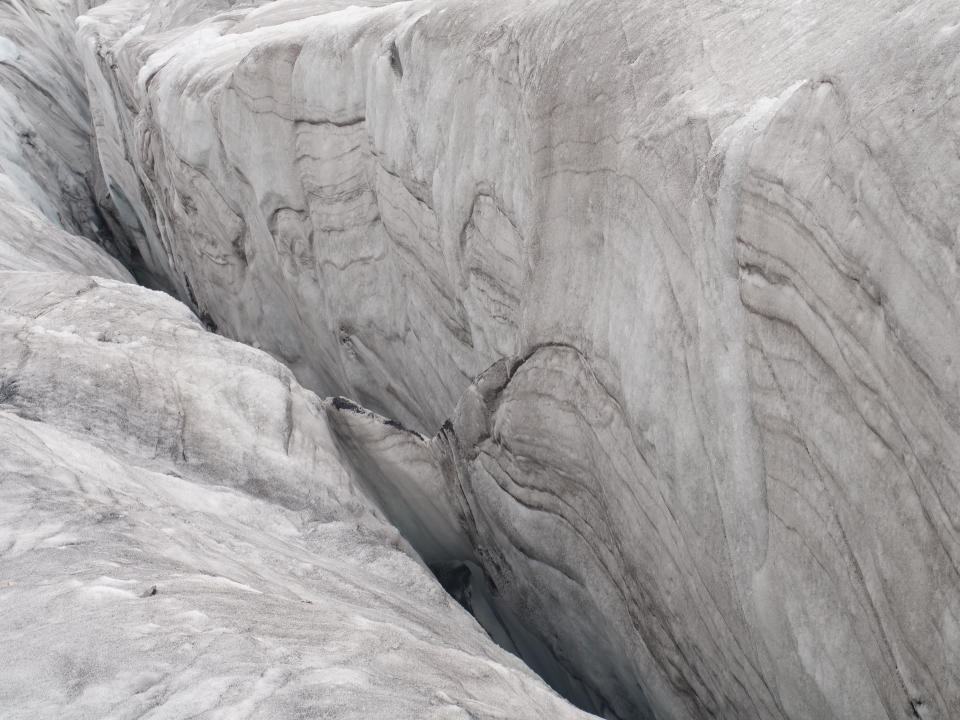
669, 288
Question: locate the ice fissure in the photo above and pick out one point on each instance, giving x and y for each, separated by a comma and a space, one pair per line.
437, 492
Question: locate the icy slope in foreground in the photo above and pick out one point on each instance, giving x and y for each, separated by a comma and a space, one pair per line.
177, 537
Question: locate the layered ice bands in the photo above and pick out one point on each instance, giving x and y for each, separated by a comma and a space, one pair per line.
660, 299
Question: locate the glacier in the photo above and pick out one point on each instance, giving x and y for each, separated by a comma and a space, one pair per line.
636, 324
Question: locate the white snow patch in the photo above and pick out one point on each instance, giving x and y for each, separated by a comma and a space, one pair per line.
9, 52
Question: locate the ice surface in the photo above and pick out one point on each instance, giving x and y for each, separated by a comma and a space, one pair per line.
665, 291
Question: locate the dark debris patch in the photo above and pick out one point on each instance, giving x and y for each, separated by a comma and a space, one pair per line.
8, 390
342, 403
395, 63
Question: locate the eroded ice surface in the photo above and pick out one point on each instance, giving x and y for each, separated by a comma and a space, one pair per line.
177, 537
